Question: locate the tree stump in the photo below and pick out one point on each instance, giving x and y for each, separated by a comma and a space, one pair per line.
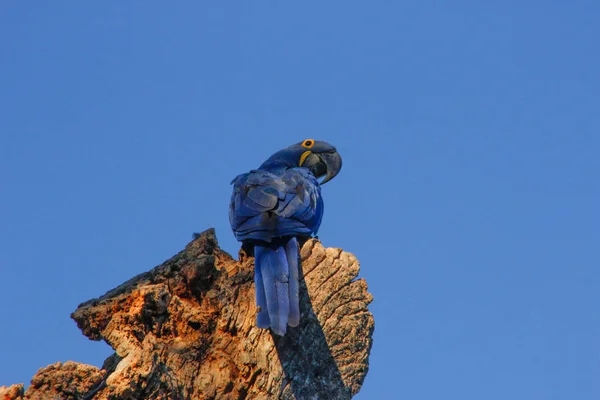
186, 330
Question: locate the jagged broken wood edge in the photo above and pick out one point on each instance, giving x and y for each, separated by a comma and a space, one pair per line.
186, 329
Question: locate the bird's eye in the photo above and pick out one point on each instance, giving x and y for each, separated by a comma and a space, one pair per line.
308, 143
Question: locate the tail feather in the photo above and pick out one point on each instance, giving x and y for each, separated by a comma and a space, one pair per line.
291, 252
262, 316
271, 264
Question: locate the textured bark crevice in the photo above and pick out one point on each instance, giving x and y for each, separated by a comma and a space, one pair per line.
185, 330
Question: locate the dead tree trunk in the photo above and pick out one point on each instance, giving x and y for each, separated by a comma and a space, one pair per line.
185, 330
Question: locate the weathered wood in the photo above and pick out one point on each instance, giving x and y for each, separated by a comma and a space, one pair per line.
185, 330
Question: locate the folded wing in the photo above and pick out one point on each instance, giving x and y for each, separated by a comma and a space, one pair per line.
265, 206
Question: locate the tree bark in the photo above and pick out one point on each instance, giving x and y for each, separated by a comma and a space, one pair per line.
186, 330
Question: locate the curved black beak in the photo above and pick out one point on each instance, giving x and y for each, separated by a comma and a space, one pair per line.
333, 165
328, 165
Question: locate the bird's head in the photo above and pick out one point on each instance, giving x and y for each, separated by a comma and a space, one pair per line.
321, 158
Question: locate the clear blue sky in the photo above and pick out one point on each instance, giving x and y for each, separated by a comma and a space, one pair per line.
470, 134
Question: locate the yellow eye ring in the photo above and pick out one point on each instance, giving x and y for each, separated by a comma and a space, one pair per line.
308, 143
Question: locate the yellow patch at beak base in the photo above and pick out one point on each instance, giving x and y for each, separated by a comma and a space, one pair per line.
303, 157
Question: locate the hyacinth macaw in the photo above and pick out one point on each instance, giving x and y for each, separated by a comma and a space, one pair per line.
271, 208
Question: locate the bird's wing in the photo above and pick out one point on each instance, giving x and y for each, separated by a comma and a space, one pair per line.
303, 196
275, 205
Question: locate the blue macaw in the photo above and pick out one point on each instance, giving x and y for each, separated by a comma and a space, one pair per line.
271, 208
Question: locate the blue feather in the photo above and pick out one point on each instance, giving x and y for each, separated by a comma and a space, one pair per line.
291, 252
271, 262
262, 316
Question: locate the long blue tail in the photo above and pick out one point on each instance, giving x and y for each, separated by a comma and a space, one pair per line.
276, 282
